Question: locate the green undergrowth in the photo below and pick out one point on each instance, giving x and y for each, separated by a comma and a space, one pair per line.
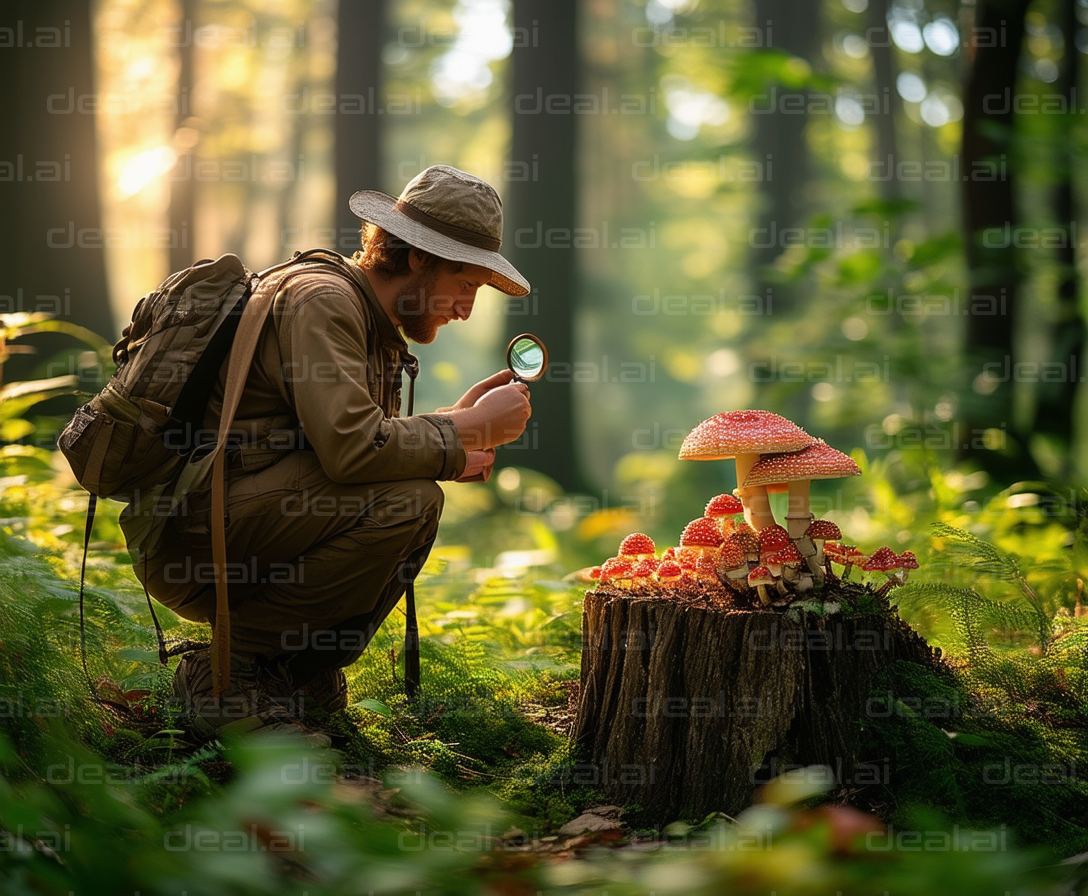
996, 743
937, 744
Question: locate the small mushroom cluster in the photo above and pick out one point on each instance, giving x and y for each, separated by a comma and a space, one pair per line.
737, 545
720, 553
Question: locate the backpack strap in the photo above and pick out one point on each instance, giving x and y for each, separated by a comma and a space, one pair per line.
92, 503
412, 676
241, 357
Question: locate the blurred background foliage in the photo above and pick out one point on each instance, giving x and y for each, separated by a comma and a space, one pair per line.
766, 207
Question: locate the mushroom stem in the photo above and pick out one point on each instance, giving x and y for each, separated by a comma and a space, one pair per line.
757, 507
764, 594
798, 515
807, 549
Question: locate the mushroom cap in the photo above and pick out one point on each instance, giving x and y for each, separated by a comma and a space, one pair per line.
907, 560
723, 505
746, 538
732, 555
785, 554
817, 461
760, 576
773, 537
844, 553
645, 568
615, 568
636, 543
731, 433
701, 533
594, 572
823, 530
668, 570
883, 560
706, 566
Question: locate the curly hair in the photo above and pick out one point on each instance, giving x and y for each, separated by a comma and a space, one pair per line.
386, 254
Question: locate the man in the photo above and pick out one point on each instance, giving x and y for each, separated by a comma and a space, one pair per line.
332, 497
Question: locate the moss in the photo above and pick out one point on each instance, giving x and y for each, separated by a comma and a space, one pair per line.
982, 764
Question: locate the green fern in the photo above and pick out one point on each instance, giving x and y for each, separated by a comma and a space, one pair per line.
989, 560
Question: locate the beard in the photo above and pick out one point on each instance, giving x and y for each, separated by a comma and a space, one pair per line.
417, 319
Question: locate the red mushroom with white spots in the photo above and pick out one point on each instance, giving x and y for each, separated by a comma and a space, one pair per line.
723, 509
883, 560
637, 546
642, 572
760, 578
745, 435
732, 565
703, 537
617, 571
797, 469
820, 531
907, 562
668, 573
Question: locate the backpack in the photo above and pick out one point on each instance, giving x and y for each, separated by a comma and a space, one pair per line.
144, 426
136, 432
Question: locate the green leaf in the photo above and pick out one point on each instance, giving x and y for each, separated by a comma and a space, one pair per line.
375, 706
15, 429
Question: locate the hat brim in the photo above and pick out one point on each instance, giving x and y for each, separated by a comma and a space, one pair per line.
380, 208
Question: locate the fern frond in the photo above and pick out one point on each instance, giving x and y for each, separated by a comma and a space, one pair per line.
988, 559
978, 553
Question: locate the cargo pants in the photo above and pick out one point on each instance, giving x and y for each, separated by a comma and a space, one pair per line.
314, 566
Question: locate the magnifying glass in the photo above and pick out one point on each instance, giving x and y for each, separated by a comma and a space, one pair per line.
527, 357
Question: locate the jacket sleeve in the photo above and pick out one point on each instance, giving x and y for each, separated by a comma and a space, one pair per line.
328, 373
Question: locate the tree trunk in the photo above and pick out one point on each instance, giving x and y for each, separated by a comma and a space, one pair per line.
361, 36
780, 137
1055, 401
51, 242
686, 704
183, 190
884, 121
545, 79
989, 207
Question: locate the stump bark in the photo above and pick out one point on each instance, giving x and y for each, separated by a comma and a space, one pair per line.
687, 703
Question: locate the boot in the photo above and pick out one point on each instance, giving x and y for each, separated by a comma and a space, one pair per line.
247, 706
327, 689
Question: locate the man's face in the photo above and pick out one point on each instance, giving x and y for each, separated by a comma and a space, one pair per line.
436, 295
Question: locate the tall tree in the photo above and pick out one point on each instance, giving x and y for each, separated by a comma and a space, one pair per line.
1056, 399
779, 135
989, 215
546, 75
183, 189
887, 98
361, 37
51, 242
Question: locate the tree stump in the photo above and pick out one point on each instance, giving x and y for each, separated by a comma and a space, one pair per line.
687, 701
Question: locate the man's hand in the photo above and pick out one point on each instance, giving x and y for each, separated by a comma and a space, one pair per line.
497, 417
479, 390
479, 466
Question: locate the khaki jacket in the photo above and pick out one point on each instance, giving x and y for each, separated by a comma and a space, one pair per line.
326, 366
324, 378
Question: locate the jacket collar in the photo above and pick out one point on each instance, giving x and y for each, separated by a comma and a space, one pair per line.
387, 331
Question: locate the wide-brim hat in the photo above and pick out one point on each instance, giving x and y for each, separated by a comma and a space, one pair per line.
449, 213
